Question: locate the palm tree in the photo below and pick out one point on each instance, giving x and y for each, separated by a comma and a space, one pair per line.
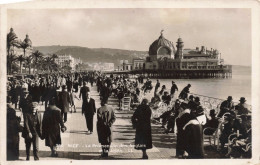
48, 61
20, 59
10, 59
28, 61
54, 56
36, 56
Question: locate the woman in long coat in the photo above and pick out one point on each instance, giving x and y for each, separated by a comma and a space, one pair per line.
51, 125
182, 119
194, 135
142, 122
105, 118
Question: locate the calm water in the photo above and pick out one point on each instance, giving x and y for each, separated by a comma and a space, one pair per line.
237, 86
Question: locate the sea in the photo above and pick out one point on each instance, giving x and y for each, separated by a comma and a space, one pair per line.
237, 86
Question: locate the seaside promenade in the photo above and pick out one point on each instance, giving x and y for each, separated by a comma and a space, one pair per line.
78, 145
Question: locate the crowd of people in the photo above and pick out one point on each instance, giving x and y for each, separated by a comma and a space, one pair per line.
58, 91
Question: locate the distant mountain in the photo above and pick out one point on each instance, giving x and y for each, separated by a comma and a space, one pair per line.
94, 54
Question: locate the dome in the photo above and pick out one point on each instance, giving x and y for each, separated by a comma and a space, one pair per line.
179, 40
161, 45
27, 40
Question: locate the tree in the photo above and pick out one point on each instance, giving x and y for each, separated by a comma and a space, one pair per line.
54, 56
36, 56
10, 59
28, 61
48, 61
20, 59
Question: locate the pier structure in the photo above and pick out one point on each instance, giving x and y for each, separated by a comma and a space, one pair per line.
167, 61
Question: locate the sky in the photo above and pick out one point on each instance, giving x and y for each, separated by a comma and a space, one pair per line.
225, 29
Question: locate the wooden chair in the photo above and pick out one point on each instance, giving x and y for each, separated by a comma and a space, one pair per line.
126, 103
215, 136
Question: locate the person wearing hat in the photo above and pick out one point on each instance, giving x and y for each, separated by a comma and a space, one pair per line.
212, 123
226, 106
157, 86
32, 130
242, 107
141, 120
182, 119
184, 93
25, 103
63, 102
173, 88
51, 125
194, 135
166, 98
105, 119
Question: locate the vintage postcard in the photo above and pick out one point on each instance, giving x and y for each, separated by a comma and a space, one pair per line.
130, 81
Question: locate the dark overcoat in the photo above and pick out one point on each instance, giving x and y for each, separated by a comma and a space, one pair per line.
13, 129
180, 122
51, 126
105, 118
28, 125
89, 108
64, 101
142, 120
194, 141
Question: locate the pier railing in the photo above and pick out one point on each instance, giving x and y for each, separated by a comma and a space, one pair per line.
207, 102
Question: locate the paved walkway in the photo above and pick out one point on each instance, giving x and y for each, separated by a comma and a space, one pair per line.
78, 145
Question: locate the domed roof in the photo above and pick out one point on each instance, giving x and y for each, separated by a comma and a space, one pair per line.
27, 40
161, 42
179, 40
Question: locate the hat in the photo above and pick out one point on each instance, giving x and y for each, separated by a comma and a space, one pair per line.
197, 99
212, 112
25, 90
34, 104
230, 98
200, 111
242, 99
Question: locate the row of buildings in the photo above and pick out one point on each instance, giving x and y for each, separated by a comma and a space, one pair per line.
78, 65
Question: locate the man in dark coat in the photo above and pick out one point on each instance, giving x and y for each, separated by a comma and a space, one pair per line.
105, 119
157, 86
13, 129
242, 107
226, 106
64, 102
25, 103
32, 131
83, 91
89, 109
184, 93
105, 92
50, 93
51, 125
142, 122
173, 88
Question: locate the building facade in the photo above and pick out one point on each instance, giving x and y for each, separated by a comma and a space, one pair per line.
65, 60
168, 61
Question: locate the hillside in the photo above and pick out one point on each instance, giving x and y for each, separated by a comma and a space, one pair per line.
93, 54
